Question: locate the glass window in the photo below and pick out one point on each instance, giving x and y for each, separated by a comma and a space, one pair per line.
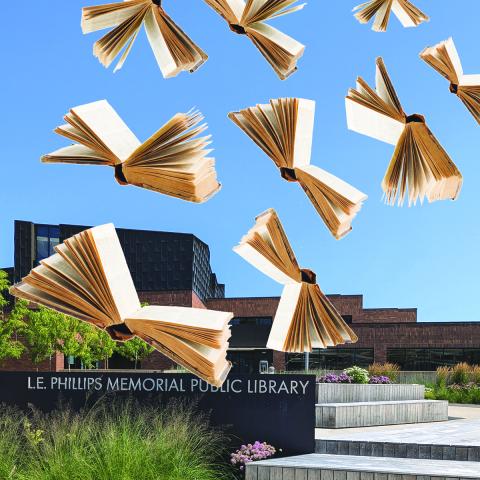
47, 237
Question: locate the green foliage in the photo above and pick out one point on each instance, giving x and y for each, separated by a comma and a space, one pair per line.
468, 394
10, 327
110, 442
134, 350
390, 370
443, 375
4, 286
460, 373
96, 345
358, 375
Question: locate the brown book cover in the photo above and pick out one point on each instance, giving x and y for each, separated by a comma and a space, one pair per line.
249, 18
305, 317
173, 161
283, 129
444, 58
420, 167
407, 13
88, 278
173, 49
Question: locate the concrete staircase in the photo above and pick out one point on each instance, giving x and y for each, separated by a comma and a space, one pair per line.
350, 405
346, 467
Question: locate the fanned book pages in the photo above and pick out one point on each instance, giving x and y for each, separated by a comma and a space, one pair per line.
380, 10
305, 317
173, 49
248, 18
173, 161
444, 58
283, 129
88, 278
420, 167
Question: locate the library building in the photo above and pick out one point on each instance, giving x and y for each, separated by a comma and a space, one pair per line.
174, 269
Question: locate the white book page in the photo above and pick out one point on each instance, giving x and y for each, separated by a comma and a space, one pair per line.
368, 122
164, 58
76, 154
454, 58
190, 317
237, 7
285, 42
116, 270
470, 80
335, 183
402, 15
256, 259
105, 122
283, 317
304, 132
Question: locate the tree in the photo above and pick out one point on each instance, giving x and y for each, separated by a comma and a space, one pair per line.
134, 350
10, 328
12, 325
4, 286
96, 345
44, 328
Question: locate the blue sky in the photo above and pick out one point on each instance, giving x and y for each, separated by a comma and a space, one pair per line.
425, 257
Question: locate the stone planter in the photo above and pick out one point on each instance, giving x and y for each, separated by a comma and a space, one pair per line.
349, 392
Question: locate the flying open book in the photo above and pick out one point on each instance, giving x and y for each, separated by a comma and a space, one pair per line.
88, 278
305, 318
283, 129
408, 14
173, 161
173, 49
280, 50
419, 166
444, 58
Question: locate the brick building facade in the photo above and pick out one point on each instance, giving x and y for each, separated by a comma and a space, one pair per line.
174, 269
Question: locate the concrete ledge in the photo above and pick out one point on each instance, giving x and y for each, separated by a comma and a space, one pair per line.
398, 449
367, 414
346, 392
341, 467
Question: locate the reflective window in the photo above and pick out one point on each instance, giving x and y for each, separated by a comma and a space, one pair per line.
47, 237
332, 359
429, 359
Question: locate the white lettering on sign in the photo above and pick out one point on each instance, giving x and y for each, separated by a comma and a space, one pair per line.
256, 386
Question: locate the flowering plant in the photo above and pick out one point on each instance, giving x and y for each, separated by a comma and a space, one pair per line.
249, 453
380, 380
333, 378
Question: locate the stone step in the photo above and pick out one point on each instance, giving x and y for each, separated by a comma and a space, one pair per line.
346, 393
367, 414
452, 440
342, 467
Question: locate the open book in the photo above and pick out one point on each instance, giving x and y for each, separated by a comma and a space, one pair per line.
173, 49
444, 58
283, 129
408, 14
419, 166
305, 318
173, 161
280, 50
88, 278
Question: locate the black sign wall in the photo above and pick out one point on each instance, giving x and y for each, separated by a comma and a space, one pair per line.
278, 409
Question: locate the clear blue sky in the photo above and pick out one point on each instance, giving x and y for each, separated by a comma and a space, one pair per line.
425, 257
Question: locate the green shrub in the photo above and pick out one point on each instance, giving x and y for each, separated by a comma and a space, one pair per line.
443, 375
460, 373
11, 444
112, 441
358, 375
390, 370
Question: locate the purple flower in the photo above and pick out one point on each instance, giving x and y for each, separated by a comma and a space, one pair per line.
332, 378
380, 380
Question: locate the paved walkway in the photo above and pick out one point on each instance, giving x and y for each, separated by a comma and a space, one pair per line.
463, 428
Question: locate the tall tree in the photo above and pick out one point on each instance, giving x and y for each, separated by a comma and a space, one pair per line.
11, 326
134, 350
96, 346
